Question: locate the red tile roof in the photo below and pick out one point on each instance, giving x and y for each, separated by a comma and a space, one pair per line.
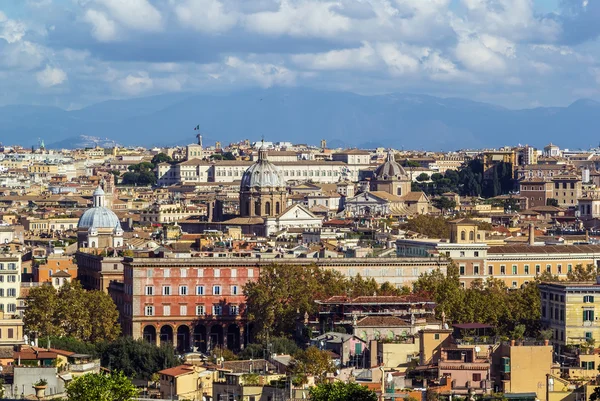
177, 370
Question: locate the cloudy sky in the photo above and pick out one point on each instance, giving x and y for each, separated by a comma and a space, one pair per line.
516, 53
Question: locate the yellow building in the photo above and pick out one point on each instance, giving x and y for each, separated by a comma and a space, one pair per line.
431, 342
513, 264
186, 382
569, 309
43, 170
523, 368
11, 330
559, 389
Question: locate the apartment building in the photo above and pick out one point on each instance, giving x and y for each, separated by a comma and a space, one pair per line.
536, 190
10, 282
570, 309
513, 264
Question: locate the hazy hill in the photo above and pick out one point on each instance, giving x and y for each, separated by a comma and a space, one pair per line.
306, 116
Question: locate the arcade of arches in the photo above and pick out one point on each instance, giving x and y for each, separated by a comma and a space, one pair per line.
199, 336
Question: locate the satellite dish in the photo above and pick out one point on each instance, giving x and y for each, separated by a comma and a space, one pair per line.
477, 349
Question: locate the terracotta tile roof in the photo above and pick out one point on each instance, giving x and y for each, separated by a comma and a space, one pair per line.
382, 321
375, 299
177, 370
546, 249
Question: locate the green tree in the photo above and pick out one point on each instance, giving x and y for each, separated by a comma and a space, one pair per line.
423, 177
340, 391
312, 362
552, 202
40, 312
445, 290
136, 358
580, 273
281, 295
104, 317
228, 156
161, 158
72, 311
444, 204
431, 226
101, 387
409, 163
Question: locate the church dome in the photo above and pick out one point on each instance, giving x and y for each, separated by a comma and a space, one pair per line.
390, 169
99, 216
262, 174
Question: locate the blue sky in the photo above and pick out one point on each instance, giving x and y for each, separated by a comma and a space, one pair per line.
515, 53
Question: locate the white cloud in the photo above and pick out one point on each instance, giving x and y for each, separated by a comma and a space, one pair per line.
358, 58
514, 19
499, 45
23, 55
398, 62
205, 15
103, 28
134, 84
300, 18
541, 67
477, 57
10, 30
51, 76
135, 14
265, 74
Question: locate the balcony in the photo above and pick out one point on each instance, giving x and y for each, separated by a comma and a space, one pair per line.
84, 367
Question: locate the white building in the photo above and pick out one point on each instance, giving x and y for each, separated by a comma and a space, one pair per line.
10, 282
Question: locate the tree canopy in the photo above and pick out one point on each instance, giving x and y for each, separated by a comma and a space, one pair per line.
71, 311
312, 362
136, 358
101, 387
487, 301
340, 391
580, 273
282, 294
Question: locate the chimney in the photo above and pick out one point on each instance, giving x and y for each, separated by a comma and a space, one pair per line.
531, 234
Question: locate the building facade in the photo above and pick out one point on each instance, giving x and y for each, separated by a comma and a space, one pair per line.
570, 310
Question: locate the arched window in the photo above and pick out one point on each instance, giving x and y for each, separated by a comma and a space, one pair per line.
399, 191
471, 235
93, 244
463, 236
268, 208
277, 211
257, 208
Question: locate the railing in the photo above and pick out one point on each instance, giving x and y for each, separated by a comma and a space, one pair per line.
83, 367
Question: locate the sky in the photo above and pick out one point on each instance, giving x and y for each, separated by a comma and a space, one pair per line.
514, 53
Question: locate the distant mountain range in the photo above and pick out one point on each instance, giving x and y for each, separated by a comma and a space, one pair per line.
304, 116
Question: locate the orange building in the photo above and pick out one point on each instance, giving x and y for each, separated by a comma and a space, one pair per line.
54, 264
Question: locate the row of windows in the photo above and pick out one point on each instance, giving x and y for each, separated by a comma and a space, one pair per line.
8, 266
10, 308
10, 292
183, 272
559, 314
183, 290
514, 269
286, 173
217, 310
9, 278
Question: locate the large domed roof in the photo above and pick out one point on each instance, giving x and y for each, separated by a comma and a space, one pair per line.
390, 169
99, 217
262, 174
